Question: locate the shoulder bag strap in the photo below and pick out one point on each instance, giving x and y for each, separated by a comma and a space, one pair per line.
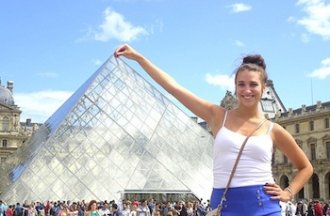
236, 162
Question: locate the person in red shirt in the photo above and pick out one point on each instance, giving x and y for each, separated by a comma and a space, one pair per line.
318, 210
10, 210
47, 208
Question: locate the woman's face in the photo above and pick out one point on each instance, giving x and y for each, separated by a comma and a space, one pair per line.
93, 206
249, 87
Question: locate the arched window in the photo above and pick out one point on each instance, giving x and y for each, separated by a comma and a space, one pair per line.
311, 143
327, 185
315, 186
313, 152
327, 146
4, 143
5, 124
326, 123
311, 125
297, 128
284, 181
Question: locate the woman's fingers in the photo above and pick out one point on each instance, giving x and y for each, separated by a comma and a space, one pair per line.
276, 192
120, 50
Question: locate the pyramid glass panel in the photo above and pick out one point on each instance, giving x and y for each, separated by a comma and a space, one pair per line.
116, 133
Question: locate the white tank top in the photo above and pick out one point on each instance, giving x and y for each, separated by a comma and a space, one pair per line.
254, 167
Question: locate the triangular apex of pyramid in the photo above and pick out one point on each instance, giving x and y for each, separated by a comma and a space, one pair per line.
116, 133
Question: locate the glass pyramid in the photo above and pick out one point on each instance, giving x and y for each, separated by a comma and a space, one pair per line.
116, 133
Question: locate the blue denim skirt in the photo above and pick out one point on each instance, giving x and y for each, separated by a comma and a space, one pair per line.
247, 201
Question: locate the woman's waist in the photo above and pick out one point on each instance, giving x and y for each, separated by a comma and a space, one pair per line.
221, 180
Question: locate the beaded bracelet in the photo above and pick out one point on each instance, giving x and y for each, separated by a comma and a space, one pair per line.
288, 189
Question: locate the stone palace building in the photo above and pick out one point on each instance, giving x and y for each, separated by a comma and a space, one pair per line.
310, 127
13, 133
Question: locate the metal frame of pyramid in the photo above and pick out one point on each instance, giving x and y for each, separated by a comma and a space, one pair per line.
115, 133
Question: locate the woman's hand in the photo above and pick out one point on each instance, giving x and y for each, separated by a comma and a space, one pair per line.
277, 193
127, 51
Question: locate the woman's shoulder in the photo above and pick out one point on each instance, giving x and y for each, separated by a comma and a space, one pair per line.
277, 129
280, 134
217, 118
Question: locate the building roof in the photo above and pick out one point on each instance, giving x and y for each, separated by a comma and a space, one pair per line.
6, 96
312, 108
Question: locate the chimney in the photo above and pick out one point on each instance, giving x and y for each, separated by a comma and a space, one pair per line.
10, 85
303, 108
28, 122
318, 105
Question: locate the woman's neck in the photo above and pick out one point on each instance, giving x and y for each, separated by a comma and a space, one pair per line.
248, 113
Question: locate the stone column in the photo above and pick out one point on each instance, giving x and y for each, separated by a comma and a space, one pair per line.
322, 185
308, 191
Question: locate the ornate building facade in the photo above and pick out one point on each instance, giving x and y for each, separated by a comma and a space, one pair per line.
310, 127
13, 133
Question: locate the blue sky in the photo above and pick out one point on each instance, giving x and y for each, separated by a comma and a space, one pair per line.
49, 48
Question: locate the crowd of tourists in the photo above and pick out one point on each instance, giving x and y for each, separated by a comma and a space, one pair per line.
305, 208
143, 207
104, 208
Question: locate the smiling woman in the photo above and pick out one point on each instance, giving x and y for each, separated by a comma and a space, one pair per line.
248, 178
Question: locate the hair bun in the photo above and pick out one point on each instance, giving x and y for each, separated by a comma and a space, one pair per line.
255, 59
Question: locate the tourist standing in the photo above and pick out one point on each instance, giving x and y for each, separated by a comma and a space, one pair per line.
92, 209
143, 209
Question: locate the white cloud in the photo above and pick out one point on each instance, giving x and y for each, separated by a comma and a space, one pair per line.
317, 19
239, 43
115, 26
239, 7
322, 72
39, 106
223, 81
48, 75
